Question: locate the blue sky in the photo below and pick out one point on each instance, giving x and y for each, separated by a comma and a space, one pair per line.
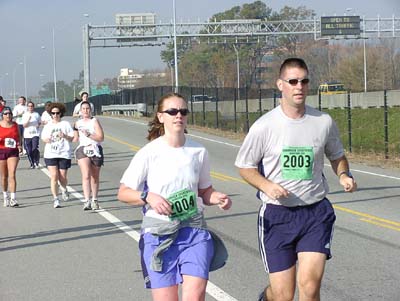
26, 30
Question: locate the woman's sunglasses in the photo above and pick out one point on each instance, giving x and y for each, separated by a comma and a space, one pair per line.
295, 81
9, 113
174, 112
55, 113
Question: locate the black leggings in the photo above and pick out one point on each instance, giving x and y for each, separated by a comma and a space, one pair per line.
32, 149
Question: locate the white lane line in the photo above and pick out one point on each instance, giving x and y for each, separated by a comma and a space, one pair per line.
213, 290
370, 173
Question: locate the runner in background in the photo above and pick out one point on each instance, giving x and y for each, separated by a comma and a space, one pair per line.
45, 117
10, 148
58, 135
18, 111
77, 108
89, 153
31, 123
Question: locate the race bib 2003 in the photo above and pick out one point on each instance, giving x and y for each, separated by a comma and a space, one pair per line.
297, 162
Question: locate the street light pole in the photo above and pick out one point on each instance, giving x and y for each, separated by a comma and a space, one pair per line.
26, 90
54, 66
365, 67
14, 71
175, 50
1, 86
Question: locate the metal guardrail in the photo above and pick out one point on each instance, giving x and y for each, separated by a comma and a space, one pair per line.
129, 109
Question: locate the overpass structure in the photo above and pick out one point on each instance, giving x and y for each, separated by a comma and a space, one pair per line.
228, 31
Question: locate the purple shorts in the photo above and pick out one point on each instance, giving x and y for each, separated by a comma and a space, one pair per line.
190, 254
285, 231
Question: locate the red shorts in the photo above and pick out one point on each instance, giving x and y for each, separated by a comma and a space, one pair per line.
6, 153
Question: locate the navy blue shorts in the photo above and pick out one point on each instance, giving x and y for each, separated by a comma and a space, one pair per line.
285, 231
61, 163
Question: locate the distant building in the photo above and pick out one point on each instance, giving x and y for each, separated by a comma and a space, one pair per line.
127, 79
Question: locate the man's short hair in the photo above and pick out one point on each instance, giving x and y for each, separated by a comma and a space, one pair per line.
292, 62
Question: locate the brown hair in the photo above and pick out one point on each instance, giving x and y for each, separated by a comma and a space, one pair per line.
156, 128
57, 105
292, 62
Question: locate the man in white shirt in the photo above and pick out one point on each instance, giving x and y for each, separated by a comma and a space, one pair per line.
18, 111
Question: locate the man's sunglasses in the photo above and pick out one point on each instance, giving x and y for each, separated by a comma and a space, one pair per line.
55, 113
174, 112
295, 81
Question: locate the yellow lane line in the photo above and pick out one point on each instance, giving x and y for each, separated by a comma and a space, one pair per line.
133, 147
379, 224
365, 217
226, 177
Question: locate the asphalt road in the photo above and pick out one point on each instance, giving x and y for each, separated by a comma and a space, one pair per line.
69, 254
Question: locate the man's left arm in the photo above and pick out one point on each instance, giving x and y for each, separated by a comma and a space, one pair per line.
341, 168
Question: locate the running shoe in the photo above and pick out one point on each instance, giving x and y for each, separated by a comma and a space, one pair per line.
87, 205
37, 165
95, 205
14, 203
65, 195
7, 202
56, 203
32, 166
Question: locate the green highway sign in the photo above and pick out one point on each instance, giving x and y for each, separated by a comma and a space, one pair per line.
340, 26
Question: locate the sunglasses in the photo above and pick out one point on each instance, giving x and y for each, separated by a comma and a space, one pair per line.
174, 112
55, 113
9, 113
295, 81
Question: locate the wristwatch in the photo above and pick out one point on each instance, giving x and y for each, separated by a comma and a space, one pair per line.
347, 173
143, 196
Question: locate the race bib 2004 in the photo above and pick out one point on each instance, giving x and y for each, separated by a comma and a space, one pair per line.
183, 204
297, 162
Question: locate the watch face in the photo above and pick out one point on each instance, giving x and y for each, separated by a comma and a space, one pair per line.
143, 195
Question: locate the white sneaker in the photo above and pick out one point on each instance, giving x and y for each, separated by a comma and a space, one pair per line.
87, 205
14, 203
7, 202
65, 195
95, 205
56, 203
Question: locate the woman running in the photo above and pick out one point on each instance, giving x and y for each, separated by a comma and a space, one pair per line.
31, 122
170, 177
89, 153
57, 134
10, 147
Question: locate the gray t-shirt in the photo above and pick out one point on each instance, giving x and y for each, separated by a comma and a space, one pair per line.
290, 152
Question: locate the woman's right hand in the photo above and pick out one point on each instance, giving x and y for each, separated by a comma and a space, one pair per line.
159, 204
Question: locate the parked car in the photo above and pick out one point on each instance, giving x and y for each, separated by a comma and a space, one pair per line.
200, 98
